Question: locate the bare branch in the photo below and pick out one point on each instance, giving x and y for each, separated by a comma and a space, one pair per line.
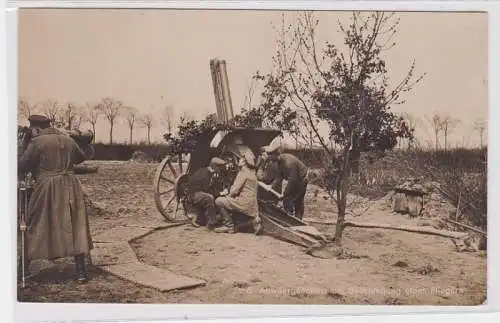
111, 109
52, 110
148, 122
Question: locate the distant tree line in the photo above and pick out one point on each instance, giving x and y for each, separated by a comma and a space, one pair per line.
442, 125
71, 115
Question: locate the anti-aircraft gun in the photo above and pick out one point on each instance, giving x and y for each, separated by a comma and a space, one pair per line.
173, 172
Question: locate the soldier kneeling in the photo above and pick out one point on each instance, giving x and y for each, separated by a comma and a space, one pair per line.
241, 198
200, 189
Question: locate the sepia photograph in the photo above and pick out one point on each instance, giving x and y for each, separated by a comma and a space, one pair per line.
170, 156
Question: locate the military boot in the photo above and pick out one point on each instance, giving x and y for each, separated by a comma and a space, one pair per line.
227, 224
257, 225
81, 270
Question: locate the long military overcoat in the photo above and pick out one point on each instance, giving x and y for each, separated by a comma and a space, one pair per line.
57, 221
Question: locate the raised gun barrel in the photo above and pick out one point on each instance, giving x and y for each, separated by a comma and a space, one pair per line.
222, 93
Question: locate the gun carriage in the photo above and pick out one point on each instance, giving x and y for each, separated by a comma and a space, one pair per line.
173, 172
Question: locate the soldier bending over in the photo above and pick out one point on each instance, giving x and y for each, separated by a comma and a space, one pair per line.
266, 170
291, 169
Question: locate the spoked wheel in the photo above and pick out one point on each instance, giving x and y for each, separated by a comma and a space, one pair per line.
169, 198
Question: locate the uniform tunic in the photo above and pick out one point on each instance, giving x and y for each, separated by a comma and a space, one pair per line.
291, 169
266, 173
57, 220
242, 196
201, 181
201, 195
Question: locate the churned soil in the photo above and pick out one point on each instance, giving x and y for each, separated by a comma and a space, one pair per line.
377, 267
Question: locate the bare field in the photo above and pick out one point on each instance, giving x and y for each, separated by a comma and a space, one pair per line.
384, 266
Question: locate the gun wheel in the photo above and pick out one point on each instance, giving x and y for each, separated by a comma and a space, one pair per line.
169, 198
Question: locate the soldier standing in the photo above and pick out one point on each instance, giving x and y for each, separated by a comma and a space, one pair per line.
57, 222
294, 171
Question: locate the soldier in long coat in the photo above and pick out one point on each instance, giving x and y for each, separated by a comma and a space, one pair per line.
242, 196
57, 222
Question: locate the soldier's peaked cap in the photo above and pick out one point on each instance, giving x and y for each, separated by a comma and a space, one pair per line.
38, 119
216, 161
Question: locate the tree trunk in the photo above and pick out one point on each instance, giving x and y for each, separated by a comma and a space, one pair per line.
342, 194
130, 135
445, 140
93, 130
111, 134
341, 208
149, 137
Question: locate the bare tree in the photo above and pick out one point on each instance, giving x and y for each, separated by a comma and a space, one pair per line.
436, 122
346, 90
92, 113
167, 118
131, 116
111, 109
79, 117
52, 111
26, 109
465, 142
412, 122
480, 127
247, 101
72, 115
448, 124
148, 122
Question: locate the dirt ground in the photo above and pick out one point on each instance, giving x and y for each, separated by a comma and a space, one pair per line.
380, 266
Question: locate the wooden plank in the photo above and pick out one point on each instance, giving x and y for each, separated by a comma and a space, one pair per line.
309, 230
158, 278
105, 254
272, 228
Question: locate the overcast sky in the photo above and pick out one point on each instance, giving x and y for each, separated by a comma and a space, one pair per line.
153, 58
